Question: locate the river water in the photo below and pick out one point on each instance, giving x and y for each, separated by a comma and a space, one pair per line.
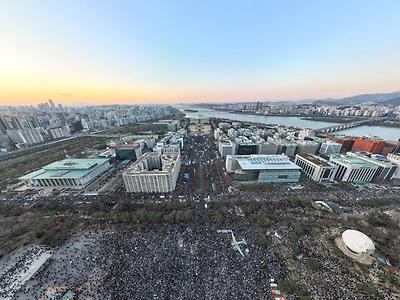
387, 133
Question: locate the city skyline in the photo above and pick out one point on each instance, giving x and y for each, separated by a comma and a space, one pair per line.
141, 52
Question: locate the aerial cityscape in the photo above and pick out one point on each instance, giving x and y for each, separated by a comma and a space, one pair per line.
190, 150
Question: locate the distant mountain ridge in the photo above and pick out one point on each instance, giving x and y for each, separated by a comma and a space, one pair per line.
393, 101
379, 98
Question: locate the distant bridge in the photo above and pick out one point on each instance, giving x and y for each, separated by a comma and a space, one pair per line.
342, 126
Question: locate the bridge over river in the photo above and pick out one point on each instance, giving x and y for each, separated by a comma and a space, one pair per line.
342, 126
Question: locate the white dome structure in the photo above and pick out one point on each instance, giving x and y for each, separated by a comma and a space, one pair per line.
358, 242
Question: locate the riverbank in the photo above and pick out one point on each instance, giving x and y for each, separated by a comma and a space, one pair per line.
265, 115
341, 120
391, 124
333, 119
299, 121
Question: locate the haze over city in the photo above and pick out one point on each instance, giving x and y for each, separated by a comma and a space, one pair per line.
129, 52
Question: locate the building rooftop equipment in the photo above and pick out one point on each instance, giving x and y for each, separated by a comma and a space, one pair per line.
319, 161
140, 166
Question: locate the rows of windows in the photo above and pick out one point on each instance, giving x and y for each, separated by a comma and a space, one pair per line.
354, 175
310, 170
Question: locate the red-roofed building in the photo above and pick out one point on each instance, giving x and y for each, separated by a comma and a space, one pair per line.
368, 145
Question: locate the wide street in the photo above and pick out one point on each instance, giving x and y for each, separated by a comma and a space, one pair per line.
202, 164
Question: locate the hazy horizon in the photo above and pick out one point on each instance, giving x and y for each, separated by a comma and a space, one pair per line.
72, 104
169, 52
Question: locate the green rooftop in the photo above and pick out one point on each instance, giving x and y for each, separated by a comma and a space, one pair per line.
67, 168
353, 161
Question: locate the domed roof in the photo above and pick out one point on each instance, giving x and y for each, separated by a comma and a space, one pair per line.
357, 241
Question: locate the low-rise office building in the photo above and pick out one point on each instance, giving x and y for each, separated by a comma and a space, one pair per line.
171, 148
67, 173
353, 169
226, 147
199, 119
395, 158
330, 147
316, 168
246, 148
286, 147
386, 168
128, 151
153, 173
265, 147
263, 168
166, 125
306, 147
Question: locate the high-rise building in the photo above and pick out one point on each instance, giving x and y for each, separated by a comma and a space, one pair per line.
28, 137
52, 105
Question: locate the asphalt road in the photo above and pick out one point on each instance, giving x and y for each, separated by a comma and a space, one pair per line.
201, 162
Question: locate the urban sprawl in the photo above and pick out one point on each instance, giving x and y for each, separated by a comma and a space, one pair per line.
156, 202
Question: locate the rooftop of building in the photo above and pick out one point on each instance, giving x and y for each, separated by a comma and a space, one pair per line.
369, 138
285, 142
373, 158
127, 146
395, 156
316, 160
352, 161
168, 161
263, 162
329, 142
167, 122
357, 241
66, 168
305, 142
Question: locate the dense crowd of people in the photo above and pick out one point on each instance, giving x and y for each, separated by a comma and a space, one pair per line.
194, 262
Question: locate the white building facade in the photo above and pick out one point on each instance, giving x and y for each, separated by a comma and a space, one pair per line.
316, 168
395, 158
353, 169
153, 173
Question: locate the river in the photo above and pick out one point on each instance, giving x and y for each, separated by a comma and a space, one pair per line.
387, 133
